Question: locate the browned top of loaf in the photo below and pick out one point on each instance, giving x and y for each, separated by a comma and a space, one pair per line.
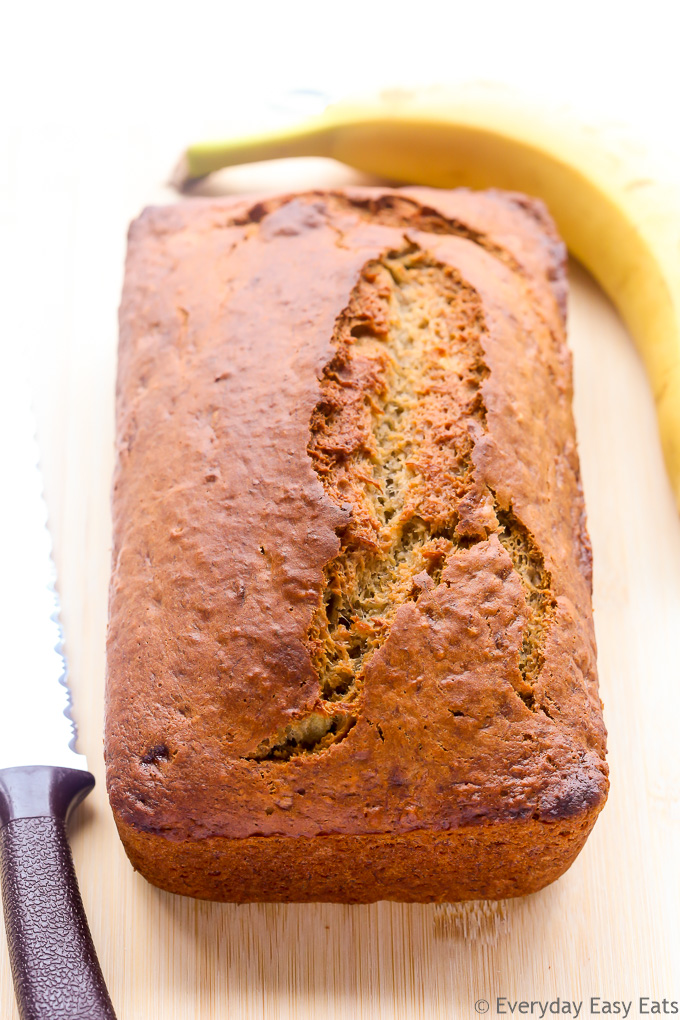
351, 587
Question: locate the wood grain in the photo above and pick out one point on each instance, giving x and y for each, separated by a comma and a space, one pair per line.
610, 927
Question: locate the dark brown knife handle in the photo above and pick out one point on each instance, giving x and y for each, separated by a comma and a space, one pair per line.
54, 965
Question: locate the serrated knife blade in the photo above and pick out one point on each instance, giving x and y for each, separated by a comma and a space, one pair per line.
35, 727
42, 776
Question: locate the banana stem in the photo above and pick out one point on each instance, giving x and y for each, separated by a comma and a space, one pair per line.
310, 139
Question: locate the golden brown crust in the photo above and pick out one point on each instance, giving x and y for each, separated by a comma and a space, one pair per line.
243, 477
493, 861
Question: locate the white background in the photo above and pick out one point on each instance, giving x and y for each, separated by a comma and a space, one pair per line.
198, 64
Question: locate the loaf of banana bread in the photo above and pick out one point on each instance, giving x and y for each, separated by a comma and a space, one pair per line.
351, 652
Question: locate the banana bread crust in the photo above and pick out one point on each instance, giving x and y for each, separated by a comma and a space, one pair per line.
351, 637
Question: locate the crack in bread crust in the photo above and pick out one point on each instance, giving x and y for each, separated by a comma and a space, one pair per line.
391, 440
529, 564
312, 734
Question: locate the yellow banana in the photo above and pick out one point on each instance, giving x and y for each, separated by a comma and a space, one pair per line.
621, 224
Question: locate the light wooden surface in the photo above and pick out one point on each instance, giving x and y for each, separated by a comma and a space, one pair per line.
609, 928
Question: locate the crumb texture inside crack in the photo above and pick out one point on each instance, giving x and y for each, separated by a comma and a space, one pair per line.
391, 441
527, 559
310, 735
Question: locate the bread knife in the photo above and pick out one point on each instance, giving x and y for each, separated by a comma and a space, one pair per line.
42, 777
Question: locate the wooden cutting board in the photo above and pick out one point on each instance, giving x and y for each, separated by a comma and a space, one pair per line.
610, 928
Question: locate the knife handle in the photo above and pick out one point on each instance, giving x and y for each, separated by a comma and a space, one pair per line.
54, 964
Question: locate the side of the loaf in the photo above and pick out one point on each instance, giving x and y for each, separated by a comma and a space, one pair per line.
351, 650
